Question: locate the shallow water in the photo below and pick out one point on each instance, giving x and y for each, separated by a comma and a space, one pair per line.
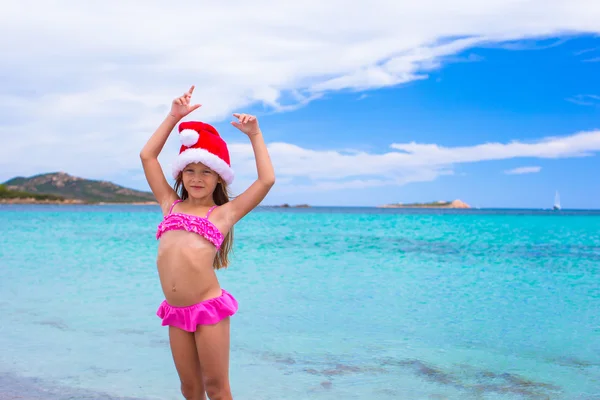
334, 303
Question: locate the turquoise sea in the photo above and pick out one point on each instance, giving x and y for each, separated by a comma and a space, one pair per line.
335, 303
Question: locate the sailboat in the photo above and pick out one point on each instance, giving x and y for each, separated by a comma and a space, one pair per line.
557, 201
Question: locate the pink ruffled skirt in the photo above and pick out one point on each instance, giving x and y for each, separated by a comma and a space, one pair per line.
207, 312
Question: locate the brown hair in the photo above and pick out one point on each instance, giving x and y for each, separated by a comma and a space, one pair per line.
220, 197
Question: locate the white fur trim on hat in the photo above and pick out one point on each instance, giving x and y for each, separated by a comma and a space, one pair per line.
188, 137
202, 156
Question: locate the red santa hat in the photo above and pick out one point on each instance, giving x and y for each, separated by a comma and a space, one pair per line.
201, 143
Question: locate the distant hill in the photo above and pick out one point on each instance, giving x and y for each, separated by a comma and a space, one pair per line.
71, 189
12, 195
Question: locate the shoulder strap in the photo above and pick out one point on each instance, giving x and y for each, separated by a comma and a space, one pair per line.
210, 210
173, 205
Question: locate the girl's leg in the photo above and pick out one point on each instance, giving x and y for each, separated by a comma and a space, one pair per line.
212, 342
185, 356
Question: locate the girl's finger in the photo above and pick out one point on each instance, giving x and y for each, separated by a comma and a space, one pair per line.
191, 90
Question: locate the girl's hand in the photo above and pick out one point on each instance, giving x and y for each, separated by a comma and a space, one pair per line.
247, 124
181, 105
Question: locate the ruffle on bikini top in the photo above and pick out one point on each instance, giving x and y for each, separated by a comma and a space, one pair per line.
191, 223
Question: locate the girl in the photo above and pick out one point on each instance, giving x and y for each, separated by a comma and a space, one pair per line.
195, 238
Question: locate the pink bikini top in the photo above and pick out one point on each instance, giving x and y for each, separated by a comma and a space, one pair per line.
191, 223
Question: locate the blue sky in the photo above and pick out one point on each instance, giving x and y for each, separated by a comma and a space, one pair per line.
489, 94
427, 101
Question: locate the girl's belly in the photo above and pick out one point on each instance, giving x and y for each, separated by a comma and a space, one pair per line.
185, 269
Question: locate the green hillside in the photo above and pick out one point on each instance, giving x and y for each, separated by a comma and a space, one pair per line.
6, 194
65, 186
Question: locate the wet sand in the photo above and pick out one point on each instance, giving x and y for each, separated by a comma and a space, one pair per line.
13, 387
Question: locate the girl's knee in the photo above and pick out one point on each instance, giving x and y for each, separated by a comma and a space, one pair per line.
192, 391
217, 389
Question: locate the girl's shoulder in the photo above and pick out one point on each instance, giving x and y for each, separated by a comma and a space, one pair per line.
178, 200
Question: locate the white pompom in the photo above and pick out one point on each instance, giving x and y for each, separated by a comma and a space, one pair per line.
188, 137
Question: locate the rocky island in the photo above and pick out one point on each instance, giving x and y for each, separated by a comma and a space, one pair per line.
435, 204
62, 188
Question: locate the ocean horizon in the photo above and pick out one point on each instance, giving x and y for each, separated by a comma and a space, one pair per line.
333, 208
335, 302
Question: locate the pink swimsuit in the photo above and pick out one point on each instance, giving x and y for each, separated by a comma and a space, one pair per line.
209, 311
191, 223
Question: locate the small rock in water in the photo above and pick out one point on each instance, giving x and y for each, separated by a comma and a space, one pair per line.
326, 384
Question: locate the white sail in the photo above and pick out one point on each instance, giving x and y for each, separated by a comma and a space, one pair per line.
557, 201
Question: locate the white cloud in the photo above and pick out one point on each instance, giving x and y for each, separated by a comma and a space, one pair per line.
406, 163
584, 51
585, 100
578, 145
84, 83
523, 170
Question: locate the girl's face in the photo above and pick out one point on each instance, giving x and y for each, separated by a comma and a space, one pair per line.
199, 180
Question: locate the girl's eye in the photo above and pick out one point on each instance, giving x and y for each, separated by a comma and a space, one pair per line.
206, 171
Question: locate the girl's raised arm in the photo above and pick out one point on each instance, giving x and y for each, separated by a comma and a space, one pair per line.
164, 194
237, 208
